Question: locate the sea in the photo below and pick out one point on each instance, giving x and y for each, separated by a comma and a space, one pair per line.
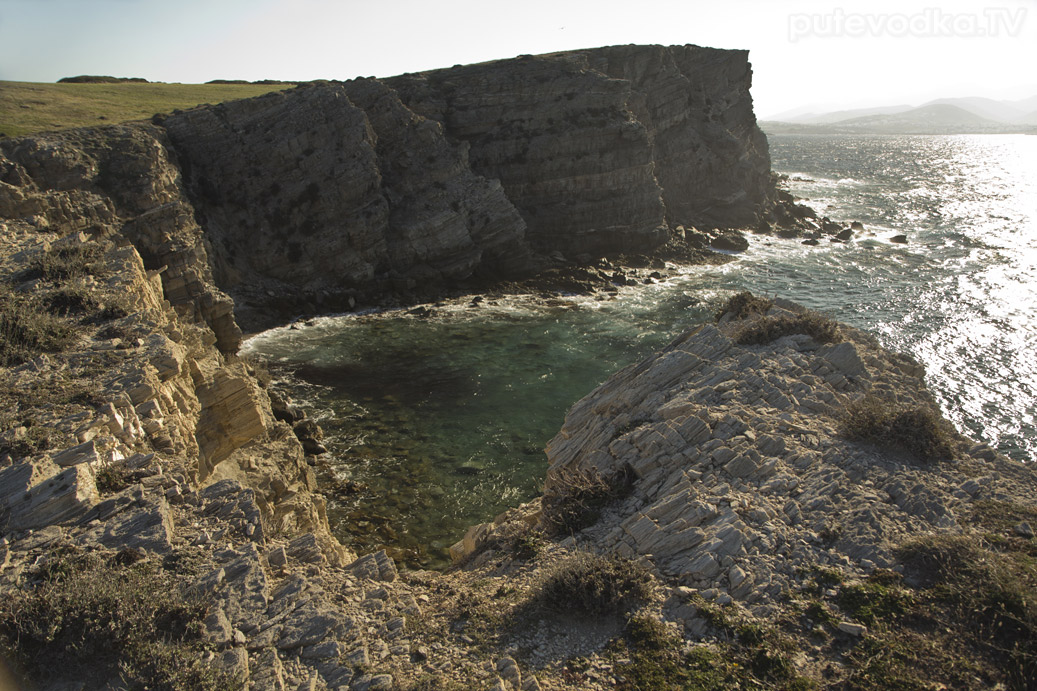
434, 424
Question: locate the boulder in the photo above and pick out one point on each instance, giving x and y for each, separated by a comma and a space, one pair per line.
730, 241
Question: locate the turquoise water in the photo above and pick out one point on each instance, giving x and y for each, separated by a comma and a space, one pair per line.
441, 421
444, 419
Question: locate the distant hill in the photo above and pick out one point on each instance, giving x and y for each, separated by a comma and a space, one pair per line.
998, 111
99, 79
1027, 104
942, 116
841, 115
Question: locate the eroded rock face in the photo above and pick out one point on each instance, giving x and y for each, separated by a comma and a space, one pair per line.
743, 471
310, 199
605, 150
322, 193
119, 179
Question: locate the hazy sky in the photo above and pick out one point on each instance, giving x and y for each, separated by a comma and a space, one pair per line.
804, 52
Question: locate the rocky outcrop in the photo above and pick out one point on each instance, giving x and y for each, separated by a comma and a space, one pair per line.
119, 180
605, 150
131, 430
327, 192
312, 199
744, 472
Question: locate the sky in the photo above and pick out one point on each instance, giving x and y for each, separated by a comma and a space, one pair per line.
807, 55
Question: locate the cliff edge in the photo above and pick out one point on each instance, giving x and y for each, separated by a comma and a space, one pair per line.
706, 512
315, 198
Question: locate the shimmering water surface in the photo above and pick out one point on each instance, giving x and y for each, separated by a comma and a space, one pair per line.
441, 422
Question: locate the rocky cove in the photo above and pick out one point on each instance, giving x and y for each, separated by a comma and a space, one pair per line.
774, 544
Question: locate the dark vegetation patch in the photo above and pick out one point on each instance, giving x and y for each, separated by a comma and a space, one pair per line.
578, 497
763, 329
63, 263
87, 619
70, 300
112, 477
658, 663
877, 601
960, 616
652, 656
769, 329
744, 305
982, 593
587, 583
100, 79
919, 430
28, 329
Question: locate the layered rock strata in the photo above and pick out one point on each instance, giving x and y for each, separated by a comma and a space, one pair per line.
139, 435
606, 150
744, 473
314, 198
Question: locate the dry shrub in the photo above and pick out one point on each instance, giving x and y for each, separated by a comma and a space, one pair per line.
919, 430
769, 329
63, 263
578, 497
587, 583
103, 620
27, 330
745, 305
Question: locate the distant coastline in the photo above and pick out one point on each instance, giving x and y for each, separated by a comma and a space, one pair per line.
944, 116
774, 127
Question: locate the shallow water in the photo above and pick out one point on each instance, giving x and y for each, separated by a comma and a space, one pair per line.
444, 419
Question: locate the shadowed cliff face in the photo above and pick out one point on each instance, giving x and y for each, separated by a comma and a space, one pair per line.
339, 188
603, 150
311, 199
331, 191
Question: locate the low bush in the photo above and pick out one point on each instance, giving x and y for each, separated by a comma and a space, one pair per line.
69, 300
63, 263
587, 583
112, 477
92, 621
769, 329
745, 305
578, 497
919, 430
26, 330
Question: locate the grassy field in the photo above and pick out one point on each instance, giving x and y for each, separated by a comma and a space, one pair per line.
30, 107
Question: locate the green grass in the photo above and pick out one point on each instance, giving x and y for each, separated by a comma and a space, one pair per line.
656, 659
27, 107
657, 662
876, 601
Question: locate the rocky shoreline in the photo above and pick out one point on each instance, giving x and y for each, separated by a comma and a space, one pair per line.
749, 507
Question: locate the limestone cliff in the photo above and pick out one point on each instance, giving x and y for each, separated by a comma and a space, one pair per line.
605, 150
314, 198
130, 428
320, 194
